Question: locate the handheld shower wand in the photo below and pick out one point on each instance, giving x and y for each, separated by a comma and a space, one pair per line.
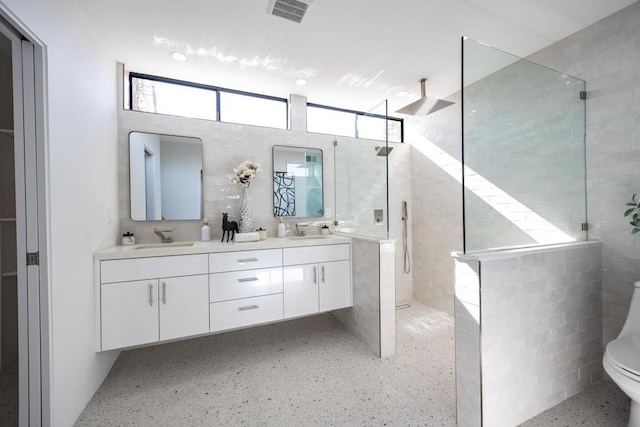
407, 257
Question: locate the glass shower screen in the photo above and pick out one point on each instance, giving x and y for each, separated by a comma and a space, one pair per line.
523, 152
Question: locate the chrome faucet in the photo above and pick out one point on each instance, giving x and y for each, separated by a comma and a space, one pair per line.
159, 231
301, 224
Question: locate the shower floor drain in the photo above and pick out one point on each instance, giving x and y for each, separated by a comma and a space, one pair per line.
402, 306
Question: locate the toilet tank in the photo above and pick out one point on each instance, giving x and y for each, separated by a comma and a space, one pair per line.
632, 324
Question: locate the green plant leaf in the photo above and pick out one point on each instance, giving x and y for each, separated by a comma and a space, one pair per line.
630, 204
628, 211
635, 230
634, 198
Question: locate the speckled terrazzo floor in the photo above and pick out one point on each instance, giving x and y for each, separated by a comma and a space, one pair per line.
308, 371
9, 395
602, 405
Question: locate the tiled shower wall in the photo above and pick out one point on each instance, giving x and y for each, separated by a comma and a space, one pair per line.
607, 55
531, 322
400, 190
362, 187
436, 229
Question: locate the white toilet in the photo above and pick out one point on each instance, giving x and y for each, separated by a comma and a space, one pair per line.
622, 358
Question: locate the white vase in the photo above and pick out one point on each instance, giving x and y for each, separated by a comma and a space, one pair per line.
246, 213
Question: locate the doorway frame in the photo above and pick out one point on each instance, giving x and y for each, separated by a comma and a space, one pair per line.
34, 390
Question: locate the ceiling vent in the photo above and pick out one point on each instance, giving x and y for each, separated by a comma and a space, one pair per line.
293, 10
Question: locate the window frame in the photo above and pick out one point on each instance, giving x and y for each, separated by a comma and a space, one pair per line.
361, 113
216, 89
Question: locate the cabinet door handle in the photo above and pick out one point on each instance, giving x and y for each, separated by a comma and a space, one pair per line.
322, 272
243, 260
151, 294
248, 307
315, 275
164, 292
248, 279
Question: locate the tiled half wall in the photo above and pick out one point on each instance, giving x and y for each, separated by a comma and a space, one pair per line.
372, 317
528, 330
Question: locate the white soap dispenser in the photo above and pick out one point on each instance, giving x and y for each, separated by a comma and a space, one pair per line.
128, 239
282, 230
205, 231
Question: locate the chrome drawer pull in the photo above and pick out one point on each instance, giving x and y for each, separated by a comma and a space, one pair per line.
322, 270
248, 307
315, 275
150, 294
242, 260
248, 279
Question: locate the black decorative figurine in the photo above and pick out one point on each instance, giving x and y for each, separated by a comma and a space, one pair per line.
228, 227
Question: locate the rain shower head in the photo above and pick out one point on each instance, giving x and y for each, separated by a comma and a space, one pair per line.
383, 151
424, 105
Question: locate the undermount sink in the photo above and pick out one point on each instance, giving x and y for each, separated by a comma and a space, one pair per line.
315, 236
163, 245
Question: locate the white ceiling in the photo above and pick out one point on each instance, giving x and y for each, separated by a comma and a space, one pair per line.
354, 53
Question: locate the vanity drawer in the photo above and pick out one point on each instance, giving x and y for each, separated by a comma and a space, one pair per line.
245, 312
309, 254
124, 270
244, 284
244, 260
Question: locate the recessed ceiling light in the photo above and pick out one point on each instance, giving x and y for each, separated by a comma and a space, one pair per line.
402, 93
301, 82
180, 57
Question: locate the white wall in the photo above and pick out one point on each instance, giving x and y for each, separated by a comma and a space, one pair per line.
82, 187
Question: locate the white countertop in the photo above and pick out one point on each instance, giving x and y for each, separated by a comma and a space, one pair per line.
169, 249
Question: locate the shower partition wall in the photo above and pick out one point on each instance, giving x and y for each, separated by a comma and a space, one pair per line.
361, 177
523, 152
362, 206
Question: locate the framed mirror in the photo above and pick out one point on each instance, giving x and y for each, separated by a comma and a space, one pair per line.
297, 182
165, 176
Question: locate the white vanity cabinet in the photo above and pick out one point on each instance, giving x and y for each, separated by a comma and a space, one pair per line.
145, 300
129, 313
183, 306
334, 285
245, 288
159, 294
316, 279
300, 290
